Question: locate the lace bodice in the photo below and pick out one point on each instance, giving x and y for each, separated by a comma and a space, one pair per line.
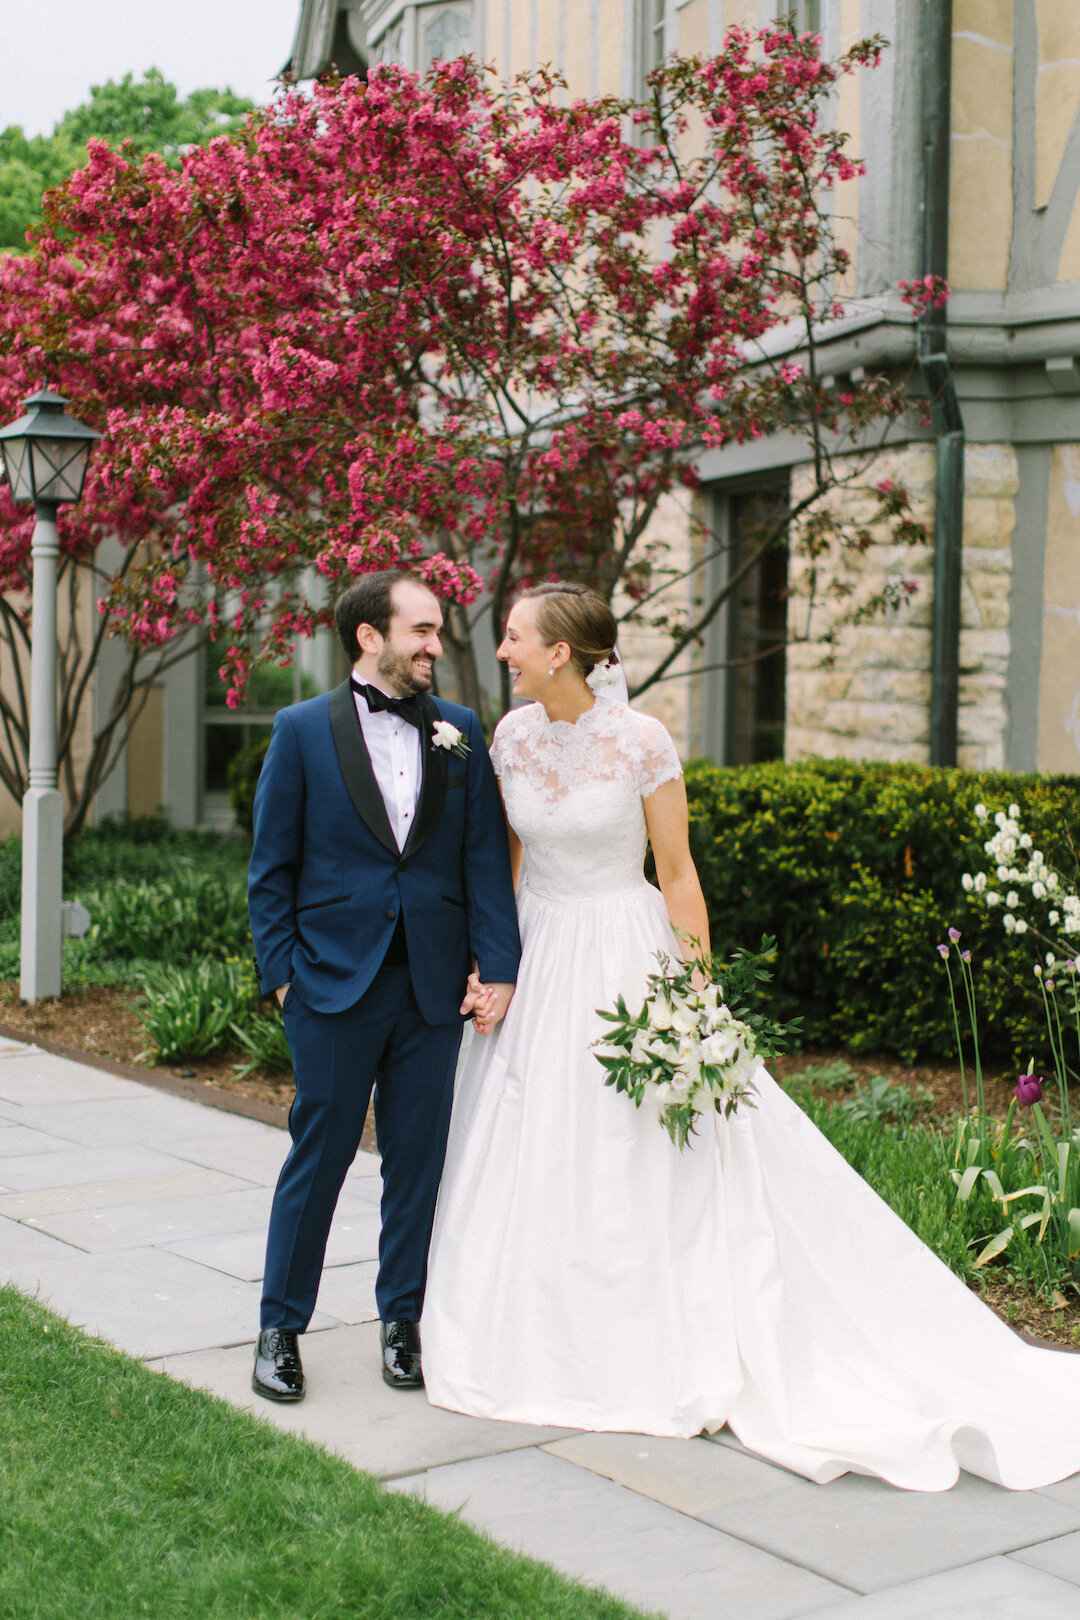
574, 791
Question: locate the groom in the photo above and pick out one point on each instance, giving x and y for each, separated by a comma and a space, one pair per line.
379, 876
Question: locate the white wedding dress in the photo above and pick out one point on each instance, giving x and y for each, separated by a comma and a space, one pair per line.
586, 1274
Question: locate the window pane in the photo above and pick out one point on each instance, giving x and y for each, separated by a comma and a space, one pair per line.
222, 743
389, 47
446, 35
269, 687
757, 633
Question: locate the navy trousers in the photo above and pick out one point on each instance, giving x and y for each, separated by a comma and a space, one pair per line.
336, 1059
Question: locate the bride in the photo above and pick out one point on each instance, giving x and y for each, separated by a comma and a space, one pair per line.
586, 1274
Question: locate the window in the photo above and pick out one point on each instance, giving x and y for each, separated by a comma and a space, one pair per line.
228, 732
741, 688
390, 47
652, 27
756, 632
807, 16
423, 34
445, 32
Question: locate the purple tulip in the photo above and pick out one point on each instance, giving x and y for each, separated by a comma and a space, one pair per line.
943, 951
954, 934
1028, 1089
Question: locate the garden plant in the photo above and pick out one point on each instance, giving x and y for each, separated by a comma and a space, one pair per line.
481, 328
1025, 1169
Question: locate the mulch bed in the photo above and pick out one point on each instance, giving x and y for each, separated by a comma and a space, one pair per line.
101, 1023
941, 1081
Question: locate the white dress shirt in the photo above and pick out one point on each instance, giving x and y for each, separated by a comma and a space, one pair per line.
394, 748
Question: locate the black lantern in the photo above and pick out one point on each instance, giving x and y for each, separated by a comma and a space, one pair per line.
45, 452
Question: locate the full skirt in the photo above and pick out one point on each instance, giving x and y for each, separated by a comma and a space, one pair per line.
586, 1274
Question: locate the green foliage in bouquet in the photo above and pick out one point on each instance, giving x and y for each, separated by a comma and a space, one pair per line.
695, 1043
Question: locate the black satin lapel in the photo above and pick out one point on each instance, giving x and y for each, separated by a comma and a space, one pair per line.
355, 763
433, 781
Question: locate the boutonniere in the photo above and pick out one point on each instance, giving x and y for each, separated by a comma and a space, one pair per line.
444, 735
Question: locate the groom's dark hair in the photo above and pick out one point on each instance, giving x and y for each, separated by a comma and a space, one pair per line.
368, 601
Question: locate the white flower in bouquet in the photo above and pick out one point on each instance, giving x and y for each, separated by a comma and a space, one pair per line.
685, 1053
640, 1050
684, 1018
679, 1086
720, 1047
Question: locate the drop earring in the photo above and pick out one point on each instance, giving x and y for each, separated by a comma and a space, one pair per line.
551, 669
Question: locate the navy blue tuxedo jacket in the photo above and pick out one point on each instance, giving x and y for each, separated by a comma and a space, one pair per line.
327, 881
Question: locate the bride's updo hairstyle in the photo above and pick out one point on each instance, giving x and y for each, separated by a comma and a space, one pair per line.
578, 616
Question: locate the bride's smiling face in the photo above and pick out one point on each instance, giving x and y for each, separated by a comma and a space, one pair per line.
522, 649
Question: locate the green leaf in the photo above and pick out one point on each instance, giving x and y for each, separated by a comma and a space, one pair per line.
996, 1246
967, 1182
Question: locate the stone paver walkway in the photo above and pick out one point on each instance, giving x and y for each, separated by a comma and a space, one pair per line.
142, 1216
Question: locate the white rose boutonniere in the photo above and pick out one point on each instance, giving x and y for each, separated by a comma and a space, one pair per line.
444, 735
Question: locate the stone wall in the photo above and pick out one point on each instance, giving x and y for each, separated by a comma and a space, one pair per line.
641, 649
872, 700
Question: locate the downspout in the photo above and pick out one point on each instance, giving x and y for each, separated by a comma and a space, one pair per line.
937, 375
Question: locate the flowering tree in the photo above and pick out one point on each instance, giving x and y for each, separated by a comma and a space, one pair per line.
428, 320
147, 112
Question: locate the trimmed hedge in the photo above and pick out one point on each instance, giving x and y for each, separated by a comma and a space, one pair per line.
856, 869
243, 777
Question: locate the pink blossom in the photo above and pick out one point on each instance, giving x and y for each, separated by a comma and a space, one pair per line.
351, 339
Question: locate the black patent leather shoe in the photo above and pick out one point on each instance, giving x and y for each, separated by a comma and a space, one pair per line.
278, 1374
401, 1354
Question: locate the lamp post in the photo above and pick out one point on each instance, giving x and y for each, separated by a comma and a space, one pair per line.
45, 456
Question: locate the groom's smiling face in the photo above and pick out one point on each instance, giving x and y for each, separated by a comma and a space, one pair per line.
411, 644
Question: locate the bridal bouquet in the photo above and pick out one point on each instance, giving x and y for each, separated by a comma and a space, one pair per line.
685, 1053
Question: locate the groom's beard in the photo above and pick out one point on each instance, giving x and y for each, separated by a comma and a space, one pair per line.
403, 674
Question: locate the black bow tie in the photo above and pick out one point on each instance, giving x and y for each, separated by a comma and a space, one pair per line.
406, 708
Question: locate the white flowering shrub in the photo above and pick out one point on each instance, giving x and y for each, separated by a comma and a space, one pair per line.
1049, 906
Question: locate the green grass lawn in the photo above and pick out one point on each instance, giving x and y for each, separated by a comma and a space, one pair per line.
127, 1494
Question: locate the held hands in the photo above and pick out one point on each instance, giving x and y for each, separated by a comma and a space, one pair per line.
486, 1002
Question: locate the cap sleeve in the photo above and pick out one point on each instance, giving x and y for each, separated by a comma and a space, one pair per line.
502, 746
659, 761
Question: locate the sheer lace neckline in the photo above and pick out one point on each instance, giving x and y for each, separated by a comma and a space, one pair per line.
560, 726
